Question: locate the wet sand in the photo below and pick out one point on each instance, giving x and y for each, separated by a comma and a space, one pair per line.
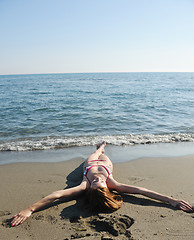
22, 184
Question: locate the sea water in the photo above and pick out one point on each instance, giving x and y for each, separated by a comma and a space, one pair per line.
52, 111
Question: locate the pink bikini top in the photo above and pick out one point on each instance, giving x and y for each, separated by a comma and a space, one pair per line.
87, 169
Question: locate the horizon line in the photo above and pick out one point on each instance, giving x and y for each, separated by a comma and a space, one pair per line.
13, 74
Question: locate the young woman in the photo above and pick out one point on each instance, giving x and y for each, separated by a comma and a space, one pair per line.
97, 184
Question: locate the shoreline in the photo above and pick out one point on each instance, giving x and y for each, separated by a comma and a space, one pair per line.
25, 183
116, 153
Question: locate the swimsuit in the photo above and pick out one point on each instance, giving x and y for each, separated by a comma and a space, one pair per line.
87, 169
97, 160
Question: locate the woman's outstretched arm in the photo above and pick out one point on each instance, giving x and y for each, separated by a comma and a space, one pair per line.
124, 188
70, 192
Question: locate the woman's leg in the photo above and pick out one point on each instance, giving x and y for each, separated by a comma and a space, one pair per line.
96, 155
108, 161
104, 157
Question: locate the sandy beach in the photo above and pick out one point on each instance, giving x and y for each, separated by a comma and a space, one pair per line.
22, 184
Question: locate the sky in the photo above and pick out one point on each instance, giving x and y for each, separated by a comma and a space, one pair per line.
76, 36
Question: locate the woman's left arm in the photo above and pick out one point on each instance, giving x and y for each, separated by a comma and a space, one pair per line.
124, 188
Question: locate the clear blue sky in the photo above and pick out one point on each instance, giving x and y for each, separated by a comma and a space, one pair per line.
59, 36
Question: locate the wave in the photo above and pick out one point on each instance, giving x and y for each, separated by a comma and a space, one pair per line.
50, 142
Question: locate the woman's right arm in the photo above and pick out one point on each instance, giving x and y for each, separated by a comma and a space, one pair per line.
70, 192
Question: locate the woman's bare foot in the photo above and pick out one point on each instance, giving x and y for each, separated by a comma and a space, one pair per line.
101, 147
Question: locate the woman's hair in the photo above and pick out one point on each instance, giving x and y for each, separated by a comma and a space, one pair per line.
102, 200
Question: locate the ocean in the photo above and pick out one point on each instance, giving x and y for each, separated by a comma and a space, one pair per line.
56, 111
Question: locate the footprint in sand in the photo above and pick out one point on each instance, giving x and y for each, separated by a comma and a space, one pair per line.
7, 222
51, 219
4, 213
134, 179
115, 226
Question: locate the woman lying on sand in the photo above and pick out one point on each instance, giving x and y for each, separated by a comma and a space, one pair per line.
97, 182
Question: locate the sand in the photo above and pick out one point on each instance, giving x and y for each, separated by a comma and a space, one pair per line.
22, 184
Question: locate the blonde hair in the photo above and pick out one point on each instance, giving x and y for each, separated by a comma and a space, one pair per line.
102, 200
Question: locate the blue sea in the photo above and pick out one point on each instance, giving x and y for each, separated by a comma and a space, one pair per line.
52, 111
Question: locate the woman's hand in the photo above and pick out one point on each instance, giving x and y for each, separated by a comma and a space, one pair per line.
186, 207
20, 217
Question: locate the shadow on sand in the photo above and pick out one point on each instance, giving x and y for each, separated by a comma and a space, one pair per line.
79, 210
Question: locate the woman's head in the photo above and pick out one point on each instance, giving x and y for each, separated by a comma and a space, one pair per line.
98, 182
102, 200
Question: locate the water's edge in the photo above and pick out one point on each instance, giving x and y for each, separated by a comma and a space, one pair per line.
115, 153
52, 142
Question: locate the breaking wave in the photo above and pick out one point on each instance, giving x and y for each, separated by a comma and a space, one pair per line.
50, 142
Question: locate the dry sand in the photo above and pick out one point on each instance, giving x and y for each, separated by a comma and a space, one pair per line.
22, 184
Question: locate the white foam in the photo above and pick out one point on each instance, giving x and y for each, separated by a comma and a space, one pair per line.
47, 143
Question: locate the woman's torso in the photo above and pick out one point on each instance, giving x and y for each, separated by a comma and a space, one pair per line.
102, 166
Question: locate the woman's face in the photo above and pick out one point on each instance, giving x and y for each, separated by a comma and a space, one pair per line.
98, 182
